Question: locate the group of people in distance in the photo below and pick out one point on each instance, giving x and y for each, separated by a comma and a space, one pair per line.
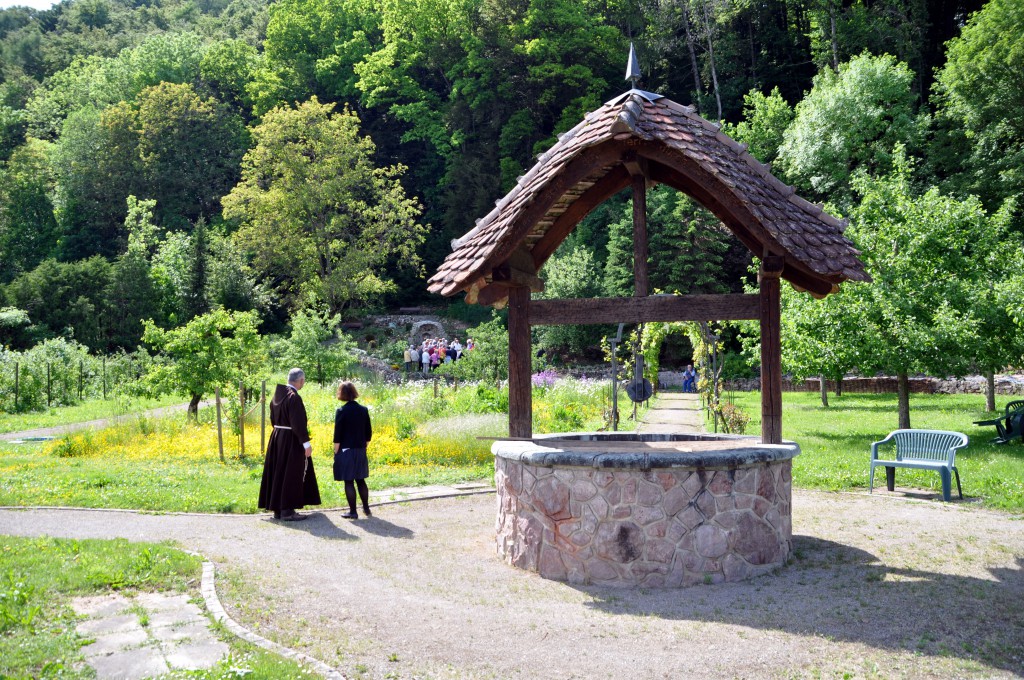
433, 352
289, 480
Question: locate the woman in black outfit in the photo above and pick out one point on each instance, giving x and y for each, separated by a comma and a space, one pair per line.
351, 434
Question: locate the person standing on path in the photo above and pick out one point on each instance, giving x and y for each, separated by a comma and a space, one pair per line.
352, 432
689, 379
289, 481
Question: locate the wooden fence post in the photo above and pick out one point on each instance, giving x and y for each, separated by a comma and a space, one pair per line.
104, 378
220, 434
48, 398
81, 378
435, 387
263, 417
17, 386
241, 418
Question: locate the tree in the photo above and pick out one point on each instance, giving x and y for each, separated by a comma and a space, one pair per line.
131, 294
850, 120
190, 150
765, 119
687, 248
228, 67
927, 255
65, 299
97, 166
212, 350
818, 336
316, 214
28, 230
315, 344
572, 274
979, 95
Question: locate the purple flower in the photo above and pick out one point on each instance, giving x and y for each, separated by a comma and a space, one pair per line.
545, 378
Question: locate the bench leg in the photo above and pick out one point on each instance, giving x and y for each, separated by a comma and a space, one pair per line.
944, 473
890, 478
958, 489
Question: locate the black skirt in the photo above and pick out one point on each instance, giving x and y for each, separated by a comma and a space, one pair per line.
350, 465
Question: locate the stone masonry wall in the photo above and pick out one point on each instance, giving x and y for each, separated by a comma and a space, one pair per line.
661, 527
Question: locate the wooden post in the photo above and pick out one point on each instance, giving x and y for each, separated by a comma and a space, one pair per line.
220, 433
640, 236
520, 394
81, 378
771, 350
104, 378
435, 387
263, 416
48, 399
17, 385
615, 386
241, 419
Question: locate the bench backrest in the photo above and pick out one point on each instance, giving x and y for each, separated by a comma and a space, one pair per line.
937, 445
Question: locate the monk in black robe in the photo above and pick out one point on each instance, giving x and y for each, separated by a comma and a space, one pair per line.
289, 481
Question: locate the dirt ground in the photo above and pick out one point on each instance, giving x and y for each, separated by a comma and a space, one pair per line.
878, 586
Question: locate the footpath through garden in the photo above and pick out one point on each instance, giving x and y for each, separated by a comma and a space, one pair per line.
58, 430
673, 412
418, 591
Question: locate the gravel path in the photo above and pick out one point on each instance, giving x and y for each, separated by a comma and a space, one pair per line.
58, 430
878, 586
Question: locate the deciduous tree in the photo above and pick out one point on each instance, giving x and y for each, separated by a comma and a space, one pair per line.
212, 350
314, 211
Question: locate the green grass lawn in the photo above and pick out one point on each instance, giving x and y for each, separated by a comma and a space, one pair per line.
94, 409
835, 443
40, 576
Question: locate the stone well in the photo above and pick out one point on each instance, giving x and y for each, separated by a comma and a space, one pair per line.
623, 509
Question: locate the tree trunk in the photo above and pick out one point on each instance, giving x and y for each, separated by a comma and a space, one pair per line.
839, 386
693, 54
193, 406
711, 60
990, 390
824, 390
835, 40
903, 396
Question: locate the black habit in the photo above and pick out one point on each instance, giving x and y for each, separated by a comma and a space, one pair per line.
289, 481
352, 431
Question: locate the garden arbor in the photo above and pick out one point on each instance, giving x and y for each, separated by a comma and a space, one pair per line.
636, 140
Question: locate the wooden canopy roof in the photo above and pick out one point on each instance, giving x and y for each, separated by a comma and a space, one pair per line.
639, 133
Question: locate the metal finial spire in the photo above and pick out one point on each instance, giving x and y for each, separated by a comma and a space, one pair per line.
633, 69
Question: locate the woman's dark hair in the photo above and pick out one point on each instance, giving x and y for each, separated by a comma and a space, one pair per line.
347, 391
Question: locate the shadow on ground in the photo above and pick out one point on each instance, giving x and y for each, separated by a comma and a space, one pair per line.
855, 597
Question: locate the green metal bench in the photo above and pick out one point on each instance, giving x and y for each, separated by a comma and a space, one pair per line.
921, 449
1010, 426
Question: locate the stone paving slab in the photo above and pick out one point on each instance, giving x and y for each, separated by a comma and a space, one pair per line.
132, 664
176, 636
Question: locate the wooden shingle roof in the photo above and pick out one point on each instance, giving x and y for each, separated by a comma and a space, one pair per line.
669, 143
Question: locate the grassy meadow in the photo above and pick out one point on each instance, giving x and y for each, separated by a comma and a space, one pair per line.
40, 576
172, 464
835, 443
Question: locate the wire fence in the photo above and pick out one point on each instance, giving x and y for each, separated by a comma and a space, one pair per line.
33, 381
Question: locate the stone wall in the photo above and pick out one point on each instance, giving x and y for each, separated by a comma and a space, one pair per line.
659, 527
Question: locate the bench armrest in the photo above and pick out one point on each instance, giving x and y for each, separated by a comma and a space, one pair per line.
875, 445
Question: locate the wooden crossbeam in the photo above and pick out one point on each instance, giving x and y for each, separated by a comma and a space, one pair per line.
732, 307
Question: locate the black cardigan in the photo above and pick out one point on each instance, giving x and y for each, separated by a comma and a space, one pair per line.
352, 426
